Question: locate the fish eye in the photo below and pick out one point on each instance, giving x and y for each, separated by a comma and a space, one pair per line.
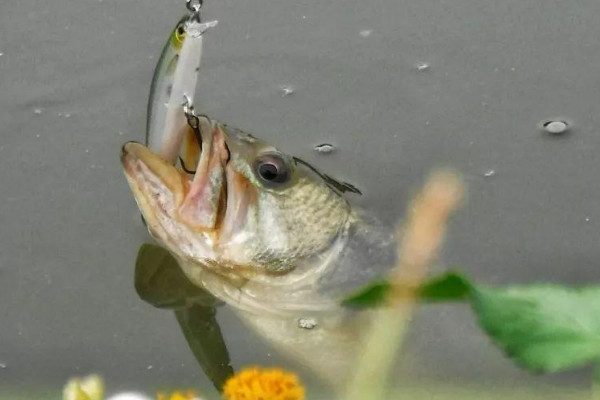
272, 169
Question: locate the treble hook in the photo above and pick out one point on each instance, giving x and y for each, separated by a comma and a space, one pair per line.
192, 119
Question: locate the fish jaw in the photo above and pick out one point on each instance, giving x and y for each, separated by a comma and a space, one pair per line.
156, 185
160, 190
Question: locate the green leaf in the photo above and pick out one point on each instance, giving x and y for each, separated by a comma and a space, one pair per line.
448, 287
371, 296
160, 281
544, 328
203, 334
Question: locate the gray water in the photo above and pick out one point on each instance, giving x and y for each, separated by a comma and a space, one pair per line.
74, 76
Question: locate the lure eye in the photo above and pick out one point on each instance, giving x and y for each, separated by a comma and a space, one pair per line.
272, 169
180, 34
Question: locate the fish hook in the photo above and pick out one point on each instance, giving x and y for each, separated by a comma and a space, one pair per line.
192, 119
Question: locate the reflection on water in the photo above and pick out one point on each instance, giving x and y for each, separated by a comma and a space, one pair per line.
160, 282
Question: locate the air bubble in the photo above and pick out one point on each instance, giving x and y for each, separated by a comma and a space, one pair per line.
423, 66
38, 111
286, 90
489, 173
307, 323
366, 32
3, 366
149, 367
556, 127
324, 148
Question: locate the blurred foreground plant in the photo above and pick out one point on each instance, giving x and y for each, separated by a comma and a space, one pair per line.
420, 239
87, 388
254, 383
543, 328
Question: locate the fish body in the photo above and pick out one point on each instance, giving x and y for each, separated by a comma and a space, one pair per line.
269, 235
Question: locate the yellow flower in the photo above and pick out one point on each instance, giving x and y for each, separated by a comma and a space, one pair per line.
88, 388
253, 383
189, 395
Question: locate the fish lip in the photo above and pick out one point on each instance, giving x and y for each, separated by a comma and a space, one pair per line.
157, 186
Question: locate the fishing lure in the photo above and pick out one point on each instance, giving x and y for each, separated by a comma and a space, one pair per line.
174, 84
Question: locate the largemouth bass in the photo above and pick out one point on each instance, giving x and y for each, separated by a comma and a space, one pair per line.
268, 234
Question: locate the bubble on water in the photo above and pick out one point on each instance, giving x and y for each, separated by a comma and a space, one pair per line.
423, 66
307, 323
324, 148
38, 111
556, 127
366, 32
87, 151
3, 366
286, 90
128, 396
1, 54
149, 367
489, 173
587, 219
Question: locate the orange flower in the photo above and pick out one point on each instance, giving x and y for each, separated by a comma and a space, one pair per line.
253, 383
189, 395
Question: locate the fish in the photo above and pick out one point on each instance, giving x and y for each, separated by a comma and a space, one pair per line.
174, 83
270, 235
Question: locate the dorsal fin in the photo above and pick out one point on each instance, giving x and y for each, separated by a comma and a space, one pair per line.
339, 186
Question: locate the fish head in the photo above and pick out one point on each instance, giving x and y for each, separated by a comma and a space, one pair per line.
247, 207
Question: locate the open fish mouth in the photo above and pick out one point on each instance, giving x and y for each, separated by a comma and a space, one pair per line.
166, 194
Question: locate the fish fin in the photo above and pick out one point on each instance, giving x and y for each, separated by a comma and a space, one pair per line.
337, 185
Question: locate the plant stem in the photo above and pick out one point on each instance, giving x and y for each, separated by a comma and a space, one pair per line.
420, 241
